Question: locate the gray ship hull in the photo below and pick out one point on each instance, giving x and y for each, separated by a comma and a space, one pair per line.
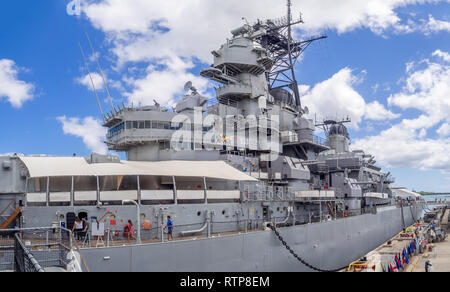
327, 245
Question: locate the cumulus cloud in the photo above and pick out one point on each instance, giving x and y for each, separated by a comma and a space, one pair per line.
406, 144
434, 25
86, 81
179, 26
89, 129
163, 84
16, 91
426, 26
337, 98
377, 112
404, 147
444, 130
427, 89
443, 55
155, 32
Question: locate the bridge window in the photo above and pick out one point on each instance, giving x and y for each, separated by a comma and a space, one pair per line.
117, 129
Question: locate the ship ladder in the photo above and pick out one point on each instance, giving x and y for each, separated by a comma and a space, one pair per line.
11, 218
331, 210
7, 207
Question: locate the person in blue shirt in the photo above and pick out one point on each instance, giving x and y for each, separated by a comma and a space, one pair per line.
169, 228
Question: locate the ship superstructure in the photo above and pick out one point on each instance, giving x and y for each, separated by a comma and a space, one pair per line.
244, 161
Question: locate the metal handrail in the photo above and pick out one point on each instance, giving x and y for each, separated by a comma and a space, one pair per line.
29, 257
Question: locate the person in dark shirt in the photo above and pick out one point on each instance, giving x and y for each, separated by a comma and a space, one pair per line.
85, 227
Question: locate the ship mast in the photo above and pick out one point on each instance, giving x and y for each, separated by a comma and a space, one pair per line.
278, 41
294, 85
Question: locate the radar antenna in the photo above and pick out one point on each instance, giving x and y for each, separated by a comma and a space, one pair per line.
277, 40
328, 122
188, 86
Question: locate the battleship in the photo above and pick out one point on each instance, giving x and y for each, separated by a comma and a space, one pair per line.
247, 183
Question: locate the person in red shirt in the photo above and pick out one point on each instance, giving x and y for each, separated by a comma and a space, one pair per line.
325, 187
128, 231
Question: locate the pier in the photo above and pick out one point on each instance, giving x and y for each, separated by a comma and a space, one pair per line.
438, 255
422, 244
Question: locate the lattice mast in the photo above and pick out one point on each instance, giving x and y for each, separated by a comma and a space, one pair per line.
284, 50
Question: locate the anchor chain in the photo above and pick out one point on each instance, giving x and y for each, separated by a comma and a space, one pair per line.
298, 257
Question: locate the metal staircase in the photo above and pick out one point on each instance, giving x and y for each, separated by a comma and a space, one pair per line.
11, 218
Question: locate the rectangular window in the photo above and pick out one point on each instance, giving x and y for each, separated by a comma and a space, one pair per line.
148, 124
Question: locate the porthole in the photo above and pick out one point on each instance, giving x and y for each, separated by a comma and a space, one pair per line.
199, 213
278, 209
284, 209
223, 212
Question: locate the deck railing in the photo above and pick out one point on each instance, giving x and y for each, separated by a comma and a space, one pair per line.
34, 249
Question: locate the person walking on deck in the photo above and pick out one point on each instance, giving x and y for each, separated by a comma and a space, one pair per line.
128, 231
77, 228
169, 228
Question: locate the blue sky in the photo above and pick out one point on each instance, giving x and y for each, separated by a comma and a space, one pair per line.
385, 64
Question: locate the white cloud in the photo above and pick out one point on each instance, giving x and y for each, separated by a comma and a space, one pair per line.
89, 129
336, 98
86, 81
434, 25
154, 32
426, 26
192, 26
403, 147
444, 130
377, 112
406, 144
14, 90
443, 55
163, 85
427, 90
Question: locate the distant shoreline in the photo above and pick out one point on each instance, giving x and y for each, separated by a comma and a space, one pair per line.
434, 194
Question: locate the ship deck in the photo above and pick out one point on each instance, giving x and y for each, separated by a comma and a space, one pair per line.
116, 242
